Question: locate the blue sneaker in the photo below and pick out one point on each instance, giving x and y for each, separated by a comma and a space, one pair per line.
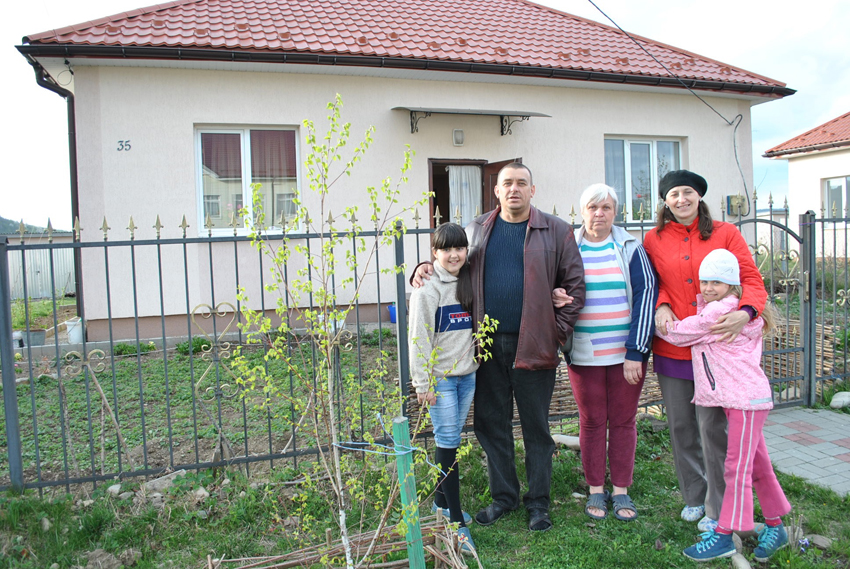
713, 546
771, 539
464, 541
707, 524
467, 519
692, 513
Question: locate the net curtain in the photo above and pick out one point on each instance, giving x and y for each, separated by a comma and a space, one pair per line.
464, 192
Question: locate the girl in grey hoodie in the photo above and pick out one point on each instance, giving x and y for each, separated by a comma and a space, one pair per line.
442, 362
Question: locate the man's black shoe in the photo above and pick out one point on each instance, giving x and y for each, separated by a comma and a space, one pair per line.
491, 514
538, 519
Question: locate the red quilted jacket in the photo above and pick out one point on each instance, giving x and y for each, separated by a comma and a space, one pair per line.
677, 252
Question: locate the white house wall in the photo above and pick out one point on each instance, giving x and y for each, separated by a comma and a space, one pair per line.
158, 111
807, 175
806, 178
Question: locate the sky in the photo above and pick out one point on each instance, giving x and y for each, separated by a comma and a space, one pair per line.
804, 45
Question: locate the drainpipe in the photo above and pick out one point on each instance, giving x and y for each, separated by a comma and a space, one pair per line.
42, 80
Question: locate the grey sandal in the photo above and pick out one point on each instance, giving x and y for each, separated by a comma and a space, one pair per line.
623, 502
600, 502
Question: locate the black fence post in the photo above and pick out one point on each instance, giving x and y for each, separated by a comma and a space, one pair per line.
7, 355
401, 319
808, 305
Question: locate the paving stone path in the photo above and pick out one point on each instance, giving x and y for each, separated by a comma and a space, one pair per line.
811, 443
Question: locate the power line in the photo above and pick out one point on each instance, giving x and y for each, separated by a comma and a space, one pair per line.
734, 122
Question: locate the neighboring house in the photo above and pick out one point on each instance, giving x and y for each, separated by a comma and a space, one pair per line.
39, 265
819, 173
819, 164
180, 107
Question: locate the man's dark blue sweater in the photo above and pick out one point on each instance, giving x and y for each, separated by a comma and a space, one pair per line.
503, 274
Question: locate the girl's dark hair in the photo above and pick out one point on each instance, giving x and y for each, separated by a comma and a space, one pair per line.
705, 226
448, 236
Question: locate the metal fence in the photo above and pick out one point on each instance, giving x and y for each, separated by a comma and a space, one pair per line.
151, 387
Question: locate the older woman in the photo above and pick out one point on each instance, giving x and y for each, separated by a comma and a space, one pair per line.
610, 349
683, 236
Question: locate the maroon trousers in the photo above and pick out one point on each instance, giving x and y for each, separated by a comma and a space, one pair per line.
607, 404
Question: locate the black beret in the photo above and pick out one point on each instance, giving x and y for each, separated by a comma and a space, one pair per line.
681, 178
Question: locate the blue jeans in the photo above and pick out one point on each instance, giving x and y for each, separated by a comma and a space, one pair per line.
448, 414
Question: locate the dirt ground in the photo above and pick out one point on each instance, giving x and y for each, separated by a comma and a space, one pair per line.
63, 313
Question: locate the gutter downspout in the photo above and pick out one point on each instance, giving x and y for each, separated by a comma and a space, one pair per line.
42, 80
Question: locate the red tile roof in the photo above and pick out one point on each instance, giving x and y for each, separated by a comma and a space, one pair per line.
498, 32
832, 134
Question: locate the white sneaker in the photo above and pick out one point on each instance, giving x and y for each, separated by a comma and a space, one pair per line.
692, 513
707, 524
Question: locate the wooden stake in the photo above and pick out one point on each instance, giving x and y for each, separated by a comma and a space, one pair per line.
410, 504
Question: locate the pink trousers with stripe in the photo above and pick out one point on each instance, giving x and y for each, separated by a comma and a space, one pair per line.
748, 468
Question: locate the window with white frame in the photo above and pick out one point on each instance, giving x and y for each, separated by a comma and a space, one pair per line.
633, 168
836, 196
232, 159
212, 206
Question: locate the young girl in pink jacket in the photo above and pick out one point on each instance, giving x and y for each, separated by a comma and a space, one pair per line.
728, 375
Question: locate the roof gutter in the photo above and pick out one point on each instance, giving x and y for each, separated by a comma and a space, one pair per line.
183, 54
43, 80
804, 149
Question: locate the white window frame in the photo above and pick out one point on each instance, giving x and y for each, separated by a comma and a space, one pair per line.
247, 198
653, 183
213, 199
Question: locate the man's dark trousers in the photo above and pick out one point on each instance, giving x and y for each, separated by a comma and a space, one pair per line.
497, 384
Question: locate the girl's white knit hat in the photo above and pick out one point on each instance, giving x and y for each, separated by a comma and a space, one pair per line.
720, 265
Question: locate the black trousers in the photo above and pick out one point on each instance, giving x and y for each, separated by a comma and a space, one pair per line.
498, 385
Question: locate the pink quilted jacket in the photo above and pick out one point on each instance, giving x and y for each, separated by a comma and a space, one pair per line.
726, 374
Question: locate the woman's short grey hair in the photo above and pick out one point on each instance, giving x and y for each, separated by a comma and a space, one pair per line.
596, 193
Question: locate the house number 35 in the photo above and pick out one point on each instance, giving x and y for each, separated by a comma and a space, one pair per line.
123, 145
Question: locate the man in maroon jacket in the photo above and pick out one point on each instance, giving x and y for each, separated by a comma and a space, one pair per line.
518, 255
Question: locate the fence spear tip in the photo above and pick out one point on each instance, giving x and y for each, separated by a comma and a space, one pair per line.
158, 226
132, 227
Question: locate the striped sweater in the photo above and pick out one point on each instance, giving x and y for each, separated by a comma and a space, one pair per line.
606, 317
640, 291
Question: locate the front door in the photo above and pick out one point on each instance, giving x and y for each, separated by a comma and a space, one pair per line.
489, 179
452, 199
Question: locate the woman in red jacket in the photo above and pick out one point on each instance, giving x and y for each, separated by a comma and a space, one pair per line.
683, 236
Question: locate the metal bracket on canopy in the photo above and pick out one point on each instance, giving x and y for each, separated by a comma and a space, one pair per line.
414, 120
506, 123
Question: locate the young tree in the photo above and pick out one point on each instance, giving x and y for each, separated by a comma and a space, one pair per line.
311, 308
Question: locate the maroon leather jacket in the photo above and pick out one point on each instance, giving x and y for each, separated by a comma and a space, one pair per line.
551, 260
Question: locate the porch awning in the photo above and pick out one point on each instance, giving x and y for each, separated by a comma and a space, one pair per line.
506, 118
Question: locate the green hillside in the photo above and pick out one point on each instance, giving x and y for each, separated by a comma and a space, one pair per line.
8, 226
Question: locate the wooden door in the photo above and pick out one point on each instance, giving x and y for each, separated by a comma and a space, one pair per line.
488, 180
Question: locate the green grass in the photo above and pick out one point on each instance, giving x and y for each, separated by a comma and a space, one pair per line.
198, 345
240, 521
38, 309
